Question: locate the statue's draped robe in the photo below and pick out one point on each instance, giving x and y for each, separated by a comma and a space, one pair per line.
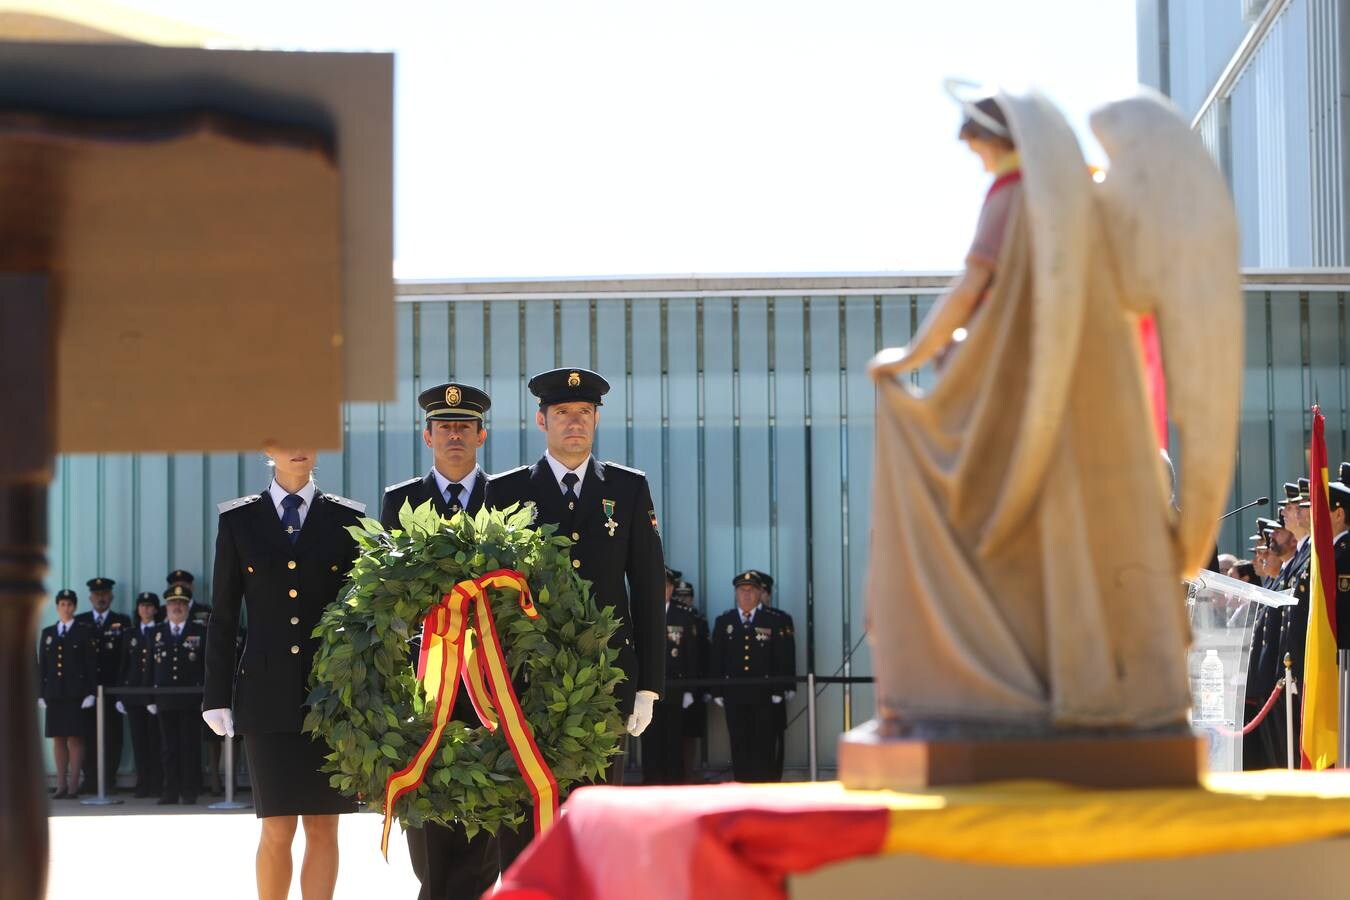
1026, 560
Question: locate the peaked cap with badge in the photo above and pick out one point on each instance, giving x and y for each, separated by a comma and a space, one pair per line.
454, 402
569, 385
100, 584
754, 577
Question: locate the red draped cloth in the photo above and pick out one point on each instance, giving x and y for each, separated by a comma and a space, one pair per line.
690, 843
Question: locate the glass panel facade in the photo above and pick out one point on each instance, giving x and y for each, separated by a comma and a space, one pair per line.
752, 416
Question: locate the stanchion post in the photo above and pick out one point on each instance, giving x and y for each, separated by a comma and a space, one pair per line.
1289, 709
227, 757
1343, 739
102, 799
811, 723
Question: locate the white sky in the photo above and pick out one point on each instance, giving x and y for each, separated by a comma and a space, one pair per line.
598, 137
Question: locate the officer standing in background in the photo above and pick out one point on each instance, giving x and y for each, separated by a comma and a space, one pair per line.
110, 629
67, 679
663, 741
694, 726
179, 660
607, 511
197, 612
137, 661
447, 862
752, 641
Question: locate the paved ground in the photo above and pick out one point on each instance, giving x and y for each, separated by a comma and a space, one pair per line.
194, 852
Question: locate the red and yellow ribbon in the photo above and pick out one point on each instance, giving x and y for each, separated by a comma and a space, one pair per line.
460, 643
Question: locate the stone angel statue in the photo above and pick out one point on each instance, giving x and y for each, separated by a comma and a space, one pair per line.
1025, 574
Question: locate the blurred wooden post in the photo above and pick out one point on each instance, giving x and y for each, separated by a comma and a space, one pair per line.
26, 451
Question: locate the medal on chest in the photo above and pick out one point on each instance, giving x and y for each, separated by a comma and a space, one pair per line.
610, 524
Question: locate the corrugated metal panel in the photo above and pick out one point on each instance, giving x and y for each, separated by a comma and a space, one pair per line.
1324, 104
747, 412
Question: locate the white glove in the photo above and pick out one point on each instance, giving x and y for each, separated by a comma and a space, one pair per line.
88, 702
220, 720
776, 698
120, 708
718, 701
152, 709
42, 704
641, 716
688, 700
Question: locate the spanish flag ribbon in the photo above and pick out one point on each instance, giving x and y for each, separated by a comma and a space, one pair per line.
460, 643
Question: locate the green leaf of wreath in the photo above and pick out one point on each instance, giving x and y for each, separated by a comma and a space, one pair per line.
366, 703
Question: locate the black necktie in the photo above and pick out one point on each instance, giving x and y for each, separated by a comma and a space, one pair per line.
570, 494
453, 493
291, 515
61, 632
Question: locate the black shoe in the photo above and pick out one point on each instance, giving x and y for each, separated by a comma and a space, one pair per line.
167, 801
60, 795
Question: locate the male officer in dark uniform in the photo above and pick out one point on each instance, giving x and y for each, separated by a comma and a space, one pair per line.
1296, 574
694, 724
607, 511
663, 741
110, 629
752, 641
179, 660
1338, 495
454, 432
446, 861
136, 672
197, 612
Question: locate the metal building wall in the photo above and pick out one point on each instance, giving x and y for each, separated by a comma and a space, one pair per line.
752, 416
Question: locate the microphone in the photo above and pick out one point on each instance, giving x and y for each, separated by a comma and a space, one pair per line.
1259, 501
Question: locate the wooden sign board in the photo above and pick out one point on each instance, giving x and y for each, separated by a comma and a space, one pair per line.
222, 277
195, 269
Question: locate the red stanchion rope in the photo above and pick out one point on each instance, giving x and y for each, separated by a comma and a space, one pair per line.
1258, 719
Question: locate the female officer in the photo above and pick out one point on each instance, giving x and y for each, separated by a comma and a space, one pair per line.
286, 552
67, 670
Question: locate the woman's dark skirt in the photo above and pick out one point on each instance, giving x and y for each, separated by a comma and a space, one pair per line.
65, 718
286, 777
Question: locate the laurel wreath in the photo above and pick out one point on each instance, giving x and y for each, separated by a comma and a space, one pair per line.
366, 703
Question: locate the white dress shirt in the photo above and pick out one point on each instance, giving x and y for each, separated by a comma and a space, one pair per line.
469, 482
559, 470
306, 495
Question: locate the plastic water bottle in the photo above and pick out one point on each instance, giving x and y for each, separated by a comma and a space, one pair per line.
1211, 687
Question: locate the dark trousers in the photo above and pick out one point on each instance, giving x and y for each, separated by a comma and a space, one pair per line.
755, 730
663, 743
451, 865
511, 844
112, 745
180, 733
145, 748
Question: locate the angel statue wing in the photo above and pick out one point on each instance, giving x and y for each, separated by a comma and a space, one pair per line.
1172, 235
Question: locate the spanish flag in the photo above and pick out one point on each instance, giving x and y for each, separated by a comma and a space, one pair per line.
1320, 702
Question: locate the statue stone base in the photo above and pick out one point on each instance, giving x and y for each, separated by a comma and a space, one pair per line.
870, 758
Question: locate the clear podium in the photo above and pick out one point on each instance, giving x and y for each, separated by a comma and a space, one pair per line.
1223, 615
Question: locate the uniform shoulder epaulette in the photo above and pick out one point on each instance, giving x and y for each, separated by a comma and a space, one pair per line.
345, 501
237, 502
508, 473
622, 468
402, 484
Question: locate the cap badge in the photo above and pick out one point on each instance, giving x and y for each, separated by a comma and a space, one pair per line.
574, 380
452, 395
